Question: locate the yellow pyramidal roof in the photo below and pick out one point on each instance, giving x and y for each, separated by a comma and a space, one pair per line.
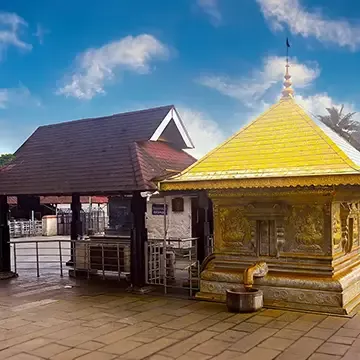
283, 142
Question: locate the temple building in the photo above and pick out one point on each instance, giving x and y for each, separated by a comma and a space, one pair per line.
285, 190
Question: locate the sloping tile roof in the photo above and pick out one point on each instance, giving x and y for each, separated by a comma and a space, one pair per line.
283, 142
91, 156
12, 200
154, 160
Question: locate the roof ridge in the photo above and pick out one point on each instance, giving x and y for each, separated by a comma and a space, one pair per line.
134, 154
336, 148
108, 116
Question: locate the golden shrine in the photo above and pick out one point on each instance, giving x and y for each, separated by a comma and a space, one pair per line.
285, 190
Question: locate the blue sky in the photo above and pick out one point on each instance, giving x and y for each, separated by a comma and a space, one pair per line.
220, 62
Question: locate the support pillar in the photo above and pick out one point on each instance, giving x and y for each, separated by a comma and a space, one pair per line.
138, 239
76, 225
5, 263
203, 227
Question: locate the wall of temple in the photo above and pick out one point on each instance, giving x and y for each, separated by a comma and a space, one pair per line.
345, 234
272, 228
309, 239
178, 220
283, 231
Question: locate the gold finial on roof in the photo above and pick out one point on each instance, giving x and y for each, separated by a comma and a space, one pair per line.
288, 91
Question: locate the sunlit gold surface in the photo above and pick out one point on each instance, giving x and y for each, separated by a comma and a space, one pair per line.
305, 238
259, 269
283, 143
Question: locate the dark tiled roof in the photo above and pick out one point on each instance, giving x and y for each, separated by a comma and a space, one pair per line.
90, 156
158, 160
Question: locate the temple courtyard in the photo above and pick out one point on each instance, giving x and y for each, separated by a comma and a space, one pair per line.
49, 318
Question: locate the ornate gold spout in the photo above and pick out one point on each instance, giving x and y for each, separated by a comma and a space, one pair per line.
259, 269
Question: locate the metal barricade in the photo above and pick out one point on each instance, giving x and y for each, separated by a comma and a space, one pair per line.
173, 264
25, 228
49, 256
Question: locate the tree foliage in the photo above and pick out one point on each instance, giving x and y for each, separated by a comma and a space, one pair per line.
343, 124
6, 158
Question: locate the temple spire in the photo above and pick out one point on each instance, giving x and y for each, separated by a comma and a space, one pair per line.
288, 91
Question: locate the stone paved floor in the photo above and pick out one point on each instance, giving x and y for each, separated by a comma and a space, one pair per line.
48, 319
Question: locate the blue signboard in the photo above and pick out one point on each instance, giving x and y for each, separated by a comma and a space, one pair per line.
158, 209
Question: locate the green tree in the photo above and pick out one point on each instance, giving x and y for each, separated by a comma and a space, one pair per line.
343, 124
6, 158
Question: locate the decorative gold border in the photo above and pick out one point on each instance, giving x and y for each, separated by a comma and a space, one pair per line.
323, 180
229, 193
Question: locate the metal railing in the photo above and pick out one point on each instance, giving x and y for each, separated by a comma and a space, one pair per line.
95, 222
44, 257
25, 228
173, 264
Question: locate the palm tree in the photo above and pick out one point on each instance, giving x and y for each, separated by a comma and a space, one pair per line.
343, 124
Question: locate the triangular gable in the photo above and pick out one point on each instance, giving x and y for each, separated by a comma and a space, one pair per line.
283, 142
173, 117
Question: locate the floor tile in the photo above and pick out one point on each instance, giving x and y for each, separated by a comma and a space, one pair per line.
341, 340
70, 354
212, 347
318, 356
320, 333
333, 349
290, 334
97, 355
231, 335
23, 356
229, 355
147, 350
247, 327
332, 322
276, 343
192, 355
121, 347
49, 350
260, 353
251, 340
276, 324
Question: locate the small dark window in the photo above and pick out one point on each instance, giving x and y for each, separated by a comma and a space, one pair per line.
177, 204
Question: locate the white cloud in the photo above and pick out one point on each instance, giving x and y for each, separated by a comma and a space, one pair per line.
205, 133
302, 22
316, 104
19, 96
40, 33
11, 25
211, 8
250, 90
97, 66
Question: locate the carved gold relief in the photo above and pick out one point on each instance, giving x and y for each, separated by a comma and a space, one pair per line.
349, 220
280, 238
235, 229
354, 215
336, 226
305, 226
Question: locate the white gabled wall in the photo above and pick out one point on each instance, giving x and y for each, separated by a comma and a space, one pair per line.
178, 223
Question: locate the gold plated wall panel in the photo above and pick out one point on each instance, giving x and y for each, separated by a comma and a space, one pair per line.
270, 228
